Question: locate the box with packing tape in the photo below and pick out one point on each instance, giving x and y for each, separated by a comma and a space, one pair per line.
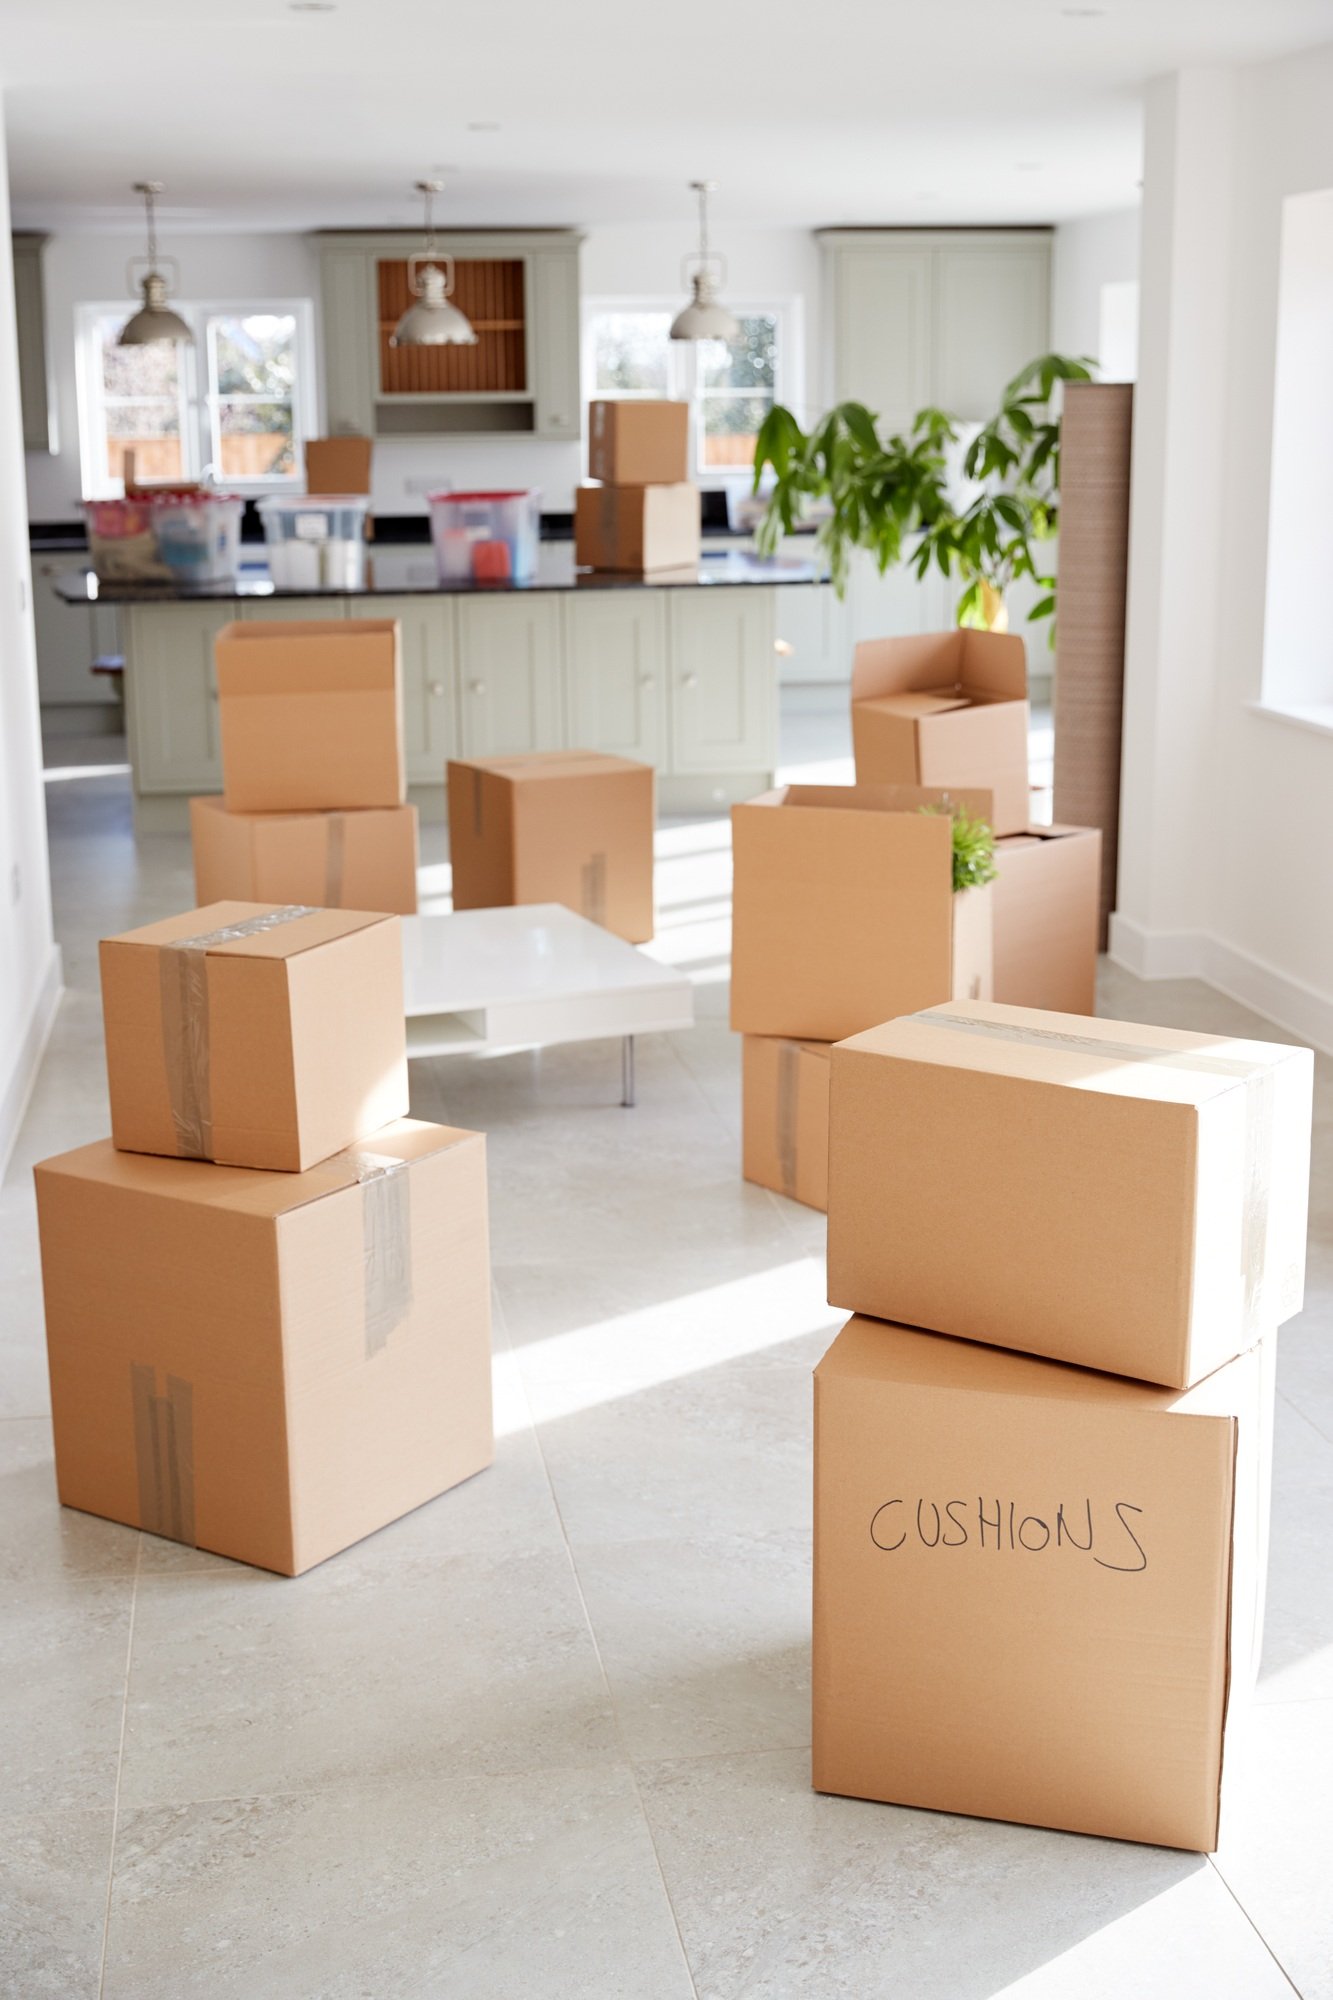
638, 442
268, 1365
1122, 1197
1045, 900
844, 911
360, 860
310, 714
637, 528
945, 708
784, 1116
555, 826
1038, 1590
254, 1036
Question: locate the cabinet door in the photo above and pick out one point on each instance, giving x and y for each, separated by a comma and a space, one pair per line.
349, 347
554, 342
430, 679
290, 610
811, 627
723, 680
511, 692
881, 318
39, 428
895, 604
171, 695
992, 316
67, 637
615, 672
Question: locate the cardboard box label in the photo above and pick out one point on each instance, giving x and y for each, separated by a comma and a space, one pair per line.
1086, 1526
185, 1038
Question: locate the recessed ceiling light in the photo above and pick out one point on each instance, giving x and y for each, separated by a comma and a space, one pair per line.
483, 125
312, 6
927, 194
1083, 13
1027, 166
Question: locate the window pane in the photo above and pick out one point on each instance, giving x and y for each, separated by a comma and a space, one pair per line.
255, 440
748, 362
631, 352
152, 432
138, 371
730, 427
253, 354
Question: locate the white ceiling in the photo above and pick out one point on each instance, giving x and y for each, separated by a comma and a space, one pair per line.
259, 116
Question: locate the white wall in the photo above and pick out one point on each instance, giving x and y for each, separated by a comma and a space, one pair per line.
29, 961
1095, 251
764, 264
1224, 808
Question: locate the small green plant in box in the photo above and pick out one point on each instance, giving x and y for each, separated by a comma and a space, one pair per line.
973, 848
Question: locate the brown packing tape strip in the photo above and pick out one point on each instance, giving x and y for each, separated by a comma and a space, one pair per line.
593, 888
386, 1244
183, 984
164, 1454
476, 804
789, 1078
1257, 1078
335, 860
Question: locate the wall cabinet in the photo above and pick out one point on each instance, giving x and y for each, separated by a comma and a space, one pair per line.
511, 675
520, 289
723, 681
36, 400
616, 673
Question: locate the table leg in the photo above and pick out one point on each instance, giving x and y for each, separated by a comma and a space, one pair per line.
627, 1094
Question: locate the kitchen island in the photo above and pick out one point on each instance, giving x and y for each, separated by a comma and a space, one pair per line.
678, 669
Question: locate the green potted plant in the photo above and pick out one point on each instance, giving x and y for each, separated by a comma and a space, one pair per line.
973, 848
893, 496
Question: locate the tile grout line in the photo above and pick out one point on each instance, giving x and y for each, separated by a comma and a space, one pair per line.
1304, 1416
120, 1767
626, 1759
1212, 1863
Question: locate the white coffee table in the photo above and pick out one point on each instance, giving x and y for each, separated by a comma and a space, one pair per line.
485, 980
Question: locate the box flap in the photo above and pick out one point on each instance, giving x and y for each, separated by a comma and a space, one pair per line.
913, 706
872, 798
535, 764
995, 664
253, 1190
305, 932
923, 660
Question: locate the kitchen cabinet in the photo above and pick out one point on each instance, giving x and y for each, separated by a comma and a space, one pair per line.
68, 639
883, 327
36, 400
616, 673
171, 695
992, 314
811, 635
723, 704
429, 630
520, 289
511, 675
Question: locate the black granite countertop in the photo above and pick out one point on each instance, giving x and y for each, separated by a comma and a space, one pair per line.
411, 573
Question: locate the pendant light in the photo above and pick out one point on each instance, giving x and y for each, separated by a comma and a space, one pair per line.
432, 320
705, 318
154, 320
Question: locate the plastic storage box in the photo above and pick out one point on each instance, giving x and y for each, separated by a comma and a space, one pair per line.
199, 535
486, 537
316, 541
121, 541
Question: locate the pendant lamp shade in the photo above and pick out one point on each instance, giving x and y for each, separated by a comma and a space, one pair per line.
432, 319
705, 317
155, 319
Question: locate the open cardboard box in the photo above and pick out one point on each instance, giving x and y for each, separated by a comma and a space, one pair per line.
1045, 897
1118, 1196
268, 1365
1038, 1590
945, 708
844, 912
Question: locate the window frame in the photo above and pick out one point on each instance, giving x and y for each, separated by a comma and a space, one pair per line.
683, 383
196, 398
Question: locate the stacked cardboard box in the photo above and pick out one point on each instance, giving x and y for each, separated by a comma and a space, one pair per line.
314, 782
644, 512
268, 1295
844, 913
555, 826
1041, 1492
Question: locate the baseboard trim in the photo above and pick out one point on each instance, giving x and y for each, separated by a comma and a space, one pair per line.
32, 1047
1287, 1002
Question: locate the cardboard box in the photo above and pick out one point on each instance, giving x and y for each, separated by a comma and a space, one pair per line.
1045, 900
338, 464
843, 911
254, 1036
1123, 1197
945, 708
784, 1116
365, 860
1038, 1590
311, 715
556, 826
269, 1366
637, 528
638, 443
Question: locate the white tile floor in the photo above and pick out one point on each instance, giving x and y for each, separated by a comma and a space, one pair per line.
548, 1737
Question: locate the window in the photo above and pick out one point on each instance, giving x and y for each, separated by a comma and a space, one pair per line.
237, 405
730, 386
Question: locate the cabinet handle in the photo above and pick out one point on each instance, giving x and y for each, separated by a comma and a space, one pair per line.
477, 687
784, 648
689, 680
437, 687
646, 680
